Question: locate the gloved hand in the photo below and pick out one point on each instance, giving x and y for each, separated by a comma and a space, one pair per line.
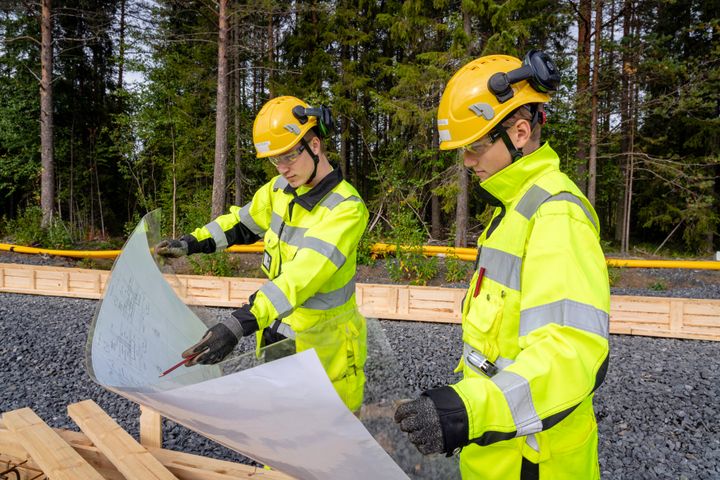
220, 339
215, 345
172, 248
420, 420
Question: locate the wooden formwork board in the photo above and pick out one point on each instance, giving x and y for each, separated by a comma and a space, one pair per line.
652, 316
107, 453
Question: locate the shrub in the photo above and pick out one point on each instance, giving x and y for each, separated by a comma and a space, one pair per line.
25, 229
216, 264
456, 270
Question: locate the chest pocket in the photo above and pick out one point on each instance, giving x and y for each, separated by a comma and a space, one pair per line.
483, 313
270, 264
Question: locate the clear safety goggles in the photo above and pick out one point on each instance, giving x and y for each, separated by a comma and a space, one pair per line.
478, 147
287, 158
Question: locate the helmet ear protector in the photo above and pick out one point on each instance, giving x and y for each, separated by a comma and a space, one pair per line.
537, 68
325, 122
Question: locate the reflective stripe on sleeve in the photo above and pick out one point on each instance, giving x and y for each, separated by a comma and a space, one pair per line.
569, 197
516, 390
536, 196
248, 221
531, 201
335, 199
567, 313
328, 300
218, 235
285, 330
501, 267
278, 299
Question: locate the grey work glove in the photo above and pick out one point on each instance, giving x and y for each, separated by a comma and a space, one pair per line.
220, 339
215, 345
172, 248
420, 420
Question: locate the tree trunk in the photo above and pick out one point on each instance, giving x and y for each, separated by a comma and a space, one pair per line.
271, 55
221, 120
236, 113
435, 226
582, 97
461, 210
121, 47
625, 97
47, 176
592, 161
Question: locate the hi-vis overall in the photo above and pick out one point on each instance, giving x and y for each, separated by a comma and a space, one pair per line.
535, 332
311, 237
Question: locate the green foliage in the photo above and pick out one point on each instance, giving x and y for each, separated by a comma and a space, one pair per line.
215, 264
364, 249
658, 286
25, 229
456, 270
409, 263
195, 214
614, 274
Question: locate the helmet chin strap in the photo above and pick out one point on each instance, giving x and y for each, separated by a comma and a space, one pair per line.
315, 159
500, 131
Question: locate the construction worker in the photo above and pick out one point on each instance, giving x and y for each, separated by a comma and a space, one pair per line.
536, 313
311, 221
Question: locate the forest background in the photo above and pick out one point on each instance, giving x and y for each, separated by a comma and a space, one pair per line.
109, 109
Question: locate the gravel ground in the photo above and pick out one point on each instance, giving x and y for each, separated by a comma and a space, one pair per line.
657, 409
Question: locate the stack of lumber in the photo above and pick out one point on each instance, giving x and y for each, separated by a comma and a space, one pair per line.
30, 449
653, 316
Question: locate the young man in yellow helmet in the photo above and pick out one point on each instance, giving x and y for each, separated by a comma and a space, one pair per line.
311, 221
535, 316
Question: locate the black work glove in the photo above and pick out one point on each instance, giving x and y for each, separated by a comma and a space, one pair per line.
172, 248
220, 339
420, 420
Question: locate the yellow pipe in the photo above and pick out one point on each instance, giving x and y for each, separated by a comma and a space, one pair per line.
63, 253
467, 254
691, 264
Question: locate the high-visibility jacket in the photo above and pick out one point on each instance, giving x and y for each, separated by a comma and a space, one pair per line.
311, 237
535, 331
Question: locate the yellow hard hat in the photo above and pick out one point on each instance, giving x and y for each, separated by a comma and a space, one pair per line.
277, 129
485, 91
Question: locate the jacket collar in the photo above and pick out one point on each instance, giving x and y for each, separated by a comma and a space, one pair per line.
312, 197
510, 183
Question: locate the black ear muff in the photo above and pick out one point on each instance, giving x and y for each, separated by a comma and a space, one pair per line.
538, 69
325, 121
545, 75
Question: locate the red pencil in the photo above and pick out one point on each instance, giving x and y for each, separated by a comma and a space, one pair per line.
182, 362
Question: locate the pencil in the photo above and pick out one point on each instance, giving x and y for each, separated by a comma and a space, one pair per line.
182, 362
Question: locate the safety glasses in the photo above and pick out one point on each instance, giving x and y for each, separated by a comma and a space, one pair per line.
479, 147
287, 158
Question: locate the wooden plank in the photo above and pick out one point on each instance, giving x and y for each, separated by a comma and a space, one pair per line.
129, 457
150, 428
57, 459
676, 315
184, 466
700, 320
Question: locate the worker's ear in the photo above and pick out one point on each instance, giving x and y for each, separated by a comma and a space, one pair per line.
521, 133
315, 145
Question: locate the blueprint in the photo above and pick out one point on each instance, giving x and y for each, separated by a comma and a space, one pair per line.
283, 413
